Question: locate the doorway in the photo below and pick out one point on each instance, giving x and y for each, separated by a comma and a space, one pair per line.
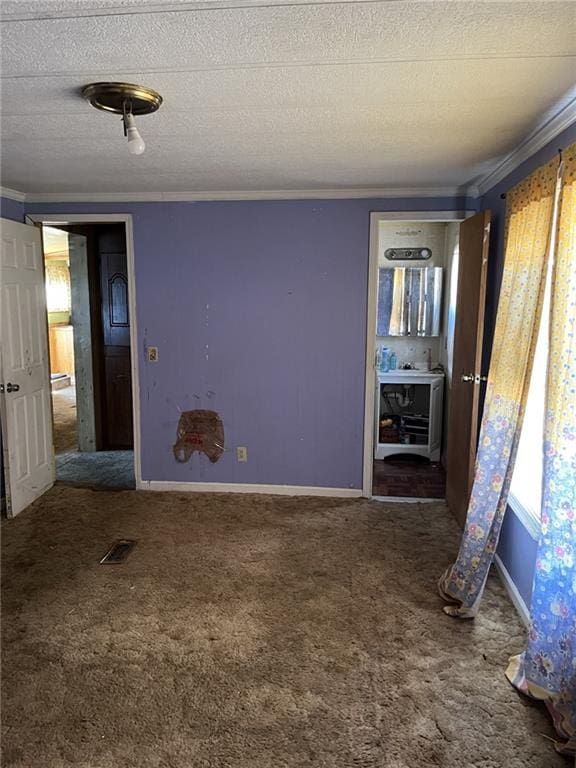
60, 339
412, 300
89, 331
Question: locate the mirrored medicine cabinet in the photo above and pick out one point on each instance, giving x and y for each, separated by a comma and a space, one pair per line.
409, 301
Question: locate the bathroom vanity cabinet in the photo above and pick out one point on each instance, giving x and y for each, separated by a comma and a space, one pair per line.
408, 414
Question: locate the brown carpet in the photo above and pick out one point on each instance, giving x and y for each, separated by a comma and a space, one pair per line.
64, 419
251, 632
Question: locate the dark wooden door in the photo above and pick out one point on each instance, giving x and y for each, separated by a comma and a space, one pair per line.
466, 368
117, 379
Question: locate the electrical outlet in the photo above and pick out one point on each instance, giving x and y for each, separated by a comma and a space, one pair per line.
152, 354
242, 453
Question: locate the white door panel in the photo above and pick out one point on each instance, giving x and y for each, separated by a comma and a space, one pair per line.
25, 411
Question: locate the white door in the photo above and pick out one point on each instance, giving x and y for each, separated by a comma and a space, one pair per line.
25, 408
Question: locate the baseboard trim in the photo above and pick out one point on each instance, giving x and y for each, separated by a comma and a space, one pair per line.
278, 490
408, 500
512, 590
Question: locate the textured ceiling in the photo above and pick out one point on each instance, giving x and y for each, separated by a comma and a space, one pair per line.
278, 96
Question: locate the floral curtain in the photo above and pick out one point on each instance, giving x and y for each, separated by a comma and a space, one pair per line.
547, 668
530, 208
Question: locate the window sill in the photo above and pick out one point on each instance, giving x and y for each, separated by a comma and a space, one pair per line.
526, 516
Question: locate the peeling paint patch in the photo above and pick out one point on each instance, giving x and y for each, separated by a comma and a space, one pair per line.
199, 431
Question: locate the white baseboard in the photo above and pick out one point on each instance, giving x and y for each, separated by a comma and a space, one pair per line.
408, 500
279, 490
513, 594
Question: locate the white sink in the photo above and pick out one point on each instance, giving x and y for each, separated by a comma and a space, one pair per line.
400, 372
409, 371
404, 372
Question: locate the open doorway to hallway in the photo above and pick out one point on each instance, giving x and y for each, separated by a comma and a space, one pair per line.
89, 344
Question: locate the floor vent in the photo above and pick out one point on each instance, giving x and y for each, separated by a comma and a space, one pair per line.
118, 552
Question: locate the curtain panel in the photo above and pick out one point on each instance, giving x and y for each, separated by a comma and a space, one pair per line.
530, 208
547, 668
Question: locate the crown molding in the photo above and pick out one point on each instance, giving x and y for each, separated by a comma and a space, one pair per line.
269, 194
556, 120
12, 194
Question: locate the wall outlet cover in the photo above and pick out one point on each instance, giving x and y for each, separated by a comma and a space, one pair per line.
152, 354
242, 453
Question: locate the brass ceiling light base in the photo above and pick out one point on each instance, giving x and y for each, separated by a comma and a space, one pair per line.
124, 99
114, 97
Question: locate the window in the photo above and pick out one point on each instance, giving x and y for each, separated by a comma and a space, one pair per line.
525, 495
526, 488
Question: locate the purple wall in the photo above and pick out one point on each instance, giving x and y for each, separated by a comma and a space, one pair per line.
11, 209
517, 548
258, 310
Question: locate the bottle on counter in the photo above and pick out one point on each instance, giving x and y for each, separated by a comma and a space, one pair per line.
392, 361
384, 365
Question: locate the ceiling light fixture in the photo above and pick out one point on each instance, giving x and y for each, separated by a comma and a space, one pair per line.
127, 100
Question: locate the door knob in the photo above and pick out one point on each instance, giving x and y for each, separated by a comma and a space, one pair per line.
12, 387
468, 377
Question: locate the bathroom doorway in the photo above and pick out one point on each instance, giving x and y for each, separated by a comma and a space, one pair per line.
60, 339
412, 315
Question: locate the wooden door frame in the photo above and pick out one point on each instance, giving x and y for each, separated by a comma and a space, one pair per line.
444, 217
53, 219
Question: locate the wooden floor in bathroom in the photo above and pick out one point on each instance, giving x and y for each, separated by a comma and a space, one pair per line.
410, 476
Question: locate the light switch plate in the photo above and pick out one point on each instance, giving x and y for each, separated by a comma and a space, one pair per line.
242, 453
152, 354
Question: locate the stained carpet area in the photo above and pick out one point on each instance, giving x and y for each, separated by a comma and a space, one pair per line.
251, 632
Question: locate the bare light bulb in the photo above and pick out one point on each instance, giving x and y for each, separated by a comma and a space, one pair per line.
136, 143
